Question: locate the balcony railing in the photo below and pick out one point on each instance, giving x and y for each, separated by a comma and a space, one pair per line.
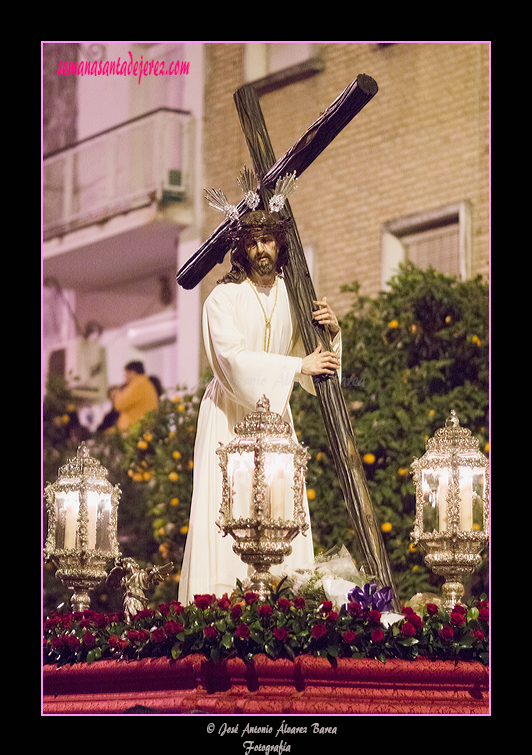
129, 166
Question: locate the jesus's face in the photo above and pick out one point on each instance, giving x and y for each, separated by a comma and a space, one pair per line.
263, 252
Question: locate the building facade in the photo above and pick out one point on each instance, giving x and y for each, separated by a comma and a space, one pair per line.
408, 178
128, 152
122, 139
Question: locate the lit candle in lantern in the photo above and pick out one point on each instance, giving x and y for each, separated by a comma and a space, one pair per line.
466, 500
277, 491
442, 501
92, 513
71, 519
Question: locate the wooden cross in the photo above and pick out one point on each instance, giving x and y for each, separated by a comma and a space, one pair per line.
300, 289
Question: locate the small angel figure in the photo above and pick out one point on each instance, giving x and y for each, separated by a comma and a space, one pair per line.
135, 580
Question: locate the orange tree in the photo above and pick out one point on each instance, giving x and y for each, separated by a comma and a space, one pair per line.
159, 457
410, 355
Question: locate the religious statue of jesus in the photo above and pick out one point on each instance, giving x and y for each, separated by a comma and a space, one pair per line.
254, 349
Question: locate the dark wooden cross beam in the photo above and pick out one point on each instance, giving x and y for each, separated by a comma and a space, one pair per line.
300, 289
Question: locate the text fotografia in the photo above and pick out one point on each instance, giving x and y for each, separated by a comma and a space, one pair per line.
123, 68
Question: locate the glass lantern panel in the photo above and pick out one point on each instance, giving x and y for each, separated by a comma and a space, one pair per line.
66, 520
103, 515
472, 481
92, 515
279, 474
240, 468
434, 488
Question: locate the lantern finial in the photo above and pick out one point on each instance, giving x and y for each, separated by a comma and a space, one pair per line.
452, 420
263, 404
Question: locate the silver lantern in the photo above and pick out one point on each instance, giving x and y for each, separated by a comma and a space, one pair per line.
82, 508
452, 506
263, 483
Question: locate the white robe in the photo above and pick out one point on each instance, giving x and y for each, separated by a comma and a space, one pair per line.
233, 331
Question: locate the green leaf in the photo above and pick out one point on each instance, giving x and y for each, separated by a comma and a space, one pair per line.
93, 655
227, 641
408, 641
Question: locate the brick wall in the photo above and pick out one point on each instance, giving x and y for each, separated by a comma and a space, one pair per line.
421, 143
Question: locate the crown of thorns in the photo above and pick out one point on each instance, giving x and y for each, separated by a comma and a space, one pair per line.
248, 182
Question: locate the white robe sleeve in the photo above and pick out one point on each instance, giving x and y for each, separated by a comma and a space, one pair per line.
245, 375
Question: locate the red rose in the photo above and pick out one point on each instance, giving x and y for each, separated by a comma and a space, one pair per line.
73, 642
158, 634
331, 616
57, 643
432, 609
408, 629
407, 611
173, 627
280, 633
377, 635
446, 633
53, 622
224, 602
146, 613
89, 639
478, 634
236, 612
349, 637
210, 633
116, 617
242, 631
460, 609
265, 610
484, 613
283, 604
116, 643
374, 616
457, 618
251, 597
203, 601
416, 620
326, 606
353, 608
299, 602
318, 631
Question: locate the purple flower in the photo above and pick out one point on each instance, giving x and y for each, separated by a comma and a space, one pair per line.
371, 598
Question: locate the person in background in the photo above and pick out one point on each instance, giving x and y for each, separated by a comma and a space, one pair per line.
137, 398
108, 423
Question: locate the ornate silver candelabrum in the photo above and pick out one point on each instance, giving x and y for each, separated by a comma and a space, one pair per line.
452, 506
81, 540
263, 483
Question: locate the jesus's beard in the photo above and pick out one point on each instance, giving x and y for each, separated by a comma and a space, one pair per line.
264, 265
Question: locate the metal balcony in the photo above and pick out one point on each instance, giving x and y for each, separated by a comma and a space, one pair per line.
127, 167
